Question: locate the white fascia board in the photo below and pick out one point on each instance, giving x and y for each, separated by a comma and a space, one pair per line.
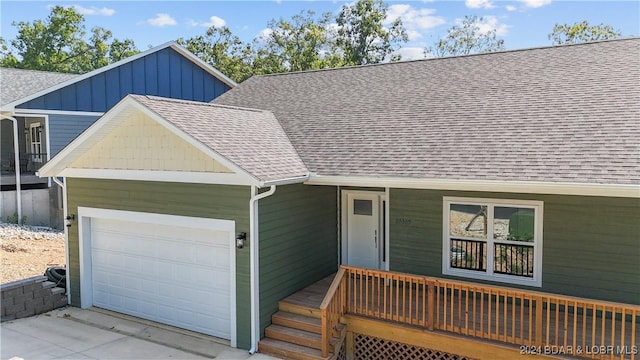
208, 68
285, 181
27, 112
197, 144
100, 128
160, 176
610, 190
73, 150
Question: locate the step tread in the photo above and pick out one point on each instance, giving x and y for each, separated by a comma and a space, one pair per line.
297, 336
302, 322
289, 350
299, 309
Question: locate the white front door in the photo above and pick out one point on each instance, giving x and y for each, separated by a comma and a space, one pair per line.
363, 230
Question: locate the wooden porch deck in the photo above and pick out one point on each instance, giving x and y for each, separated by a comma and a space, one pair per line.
572, 326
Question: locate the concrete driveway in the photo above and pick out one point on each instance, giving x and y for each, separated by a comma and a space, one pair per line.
72, 333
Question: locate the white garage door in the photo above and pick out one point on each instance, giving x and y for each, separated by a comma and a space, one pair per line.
172, 274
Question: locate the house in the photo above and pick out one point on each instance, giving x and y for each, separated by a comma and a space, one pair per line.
51, 109
480, 206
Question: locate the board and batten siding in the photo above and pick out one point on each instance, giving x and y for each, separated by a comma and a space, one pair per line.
63, 128
298, 242
591, 245
197, 200
163, 73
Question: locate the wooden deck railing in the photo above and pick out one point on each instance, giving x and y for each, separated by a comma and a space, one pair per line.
536, 321
332, 308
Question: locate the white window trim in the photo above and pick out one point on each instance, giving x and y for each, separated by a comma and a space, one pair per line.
538, 207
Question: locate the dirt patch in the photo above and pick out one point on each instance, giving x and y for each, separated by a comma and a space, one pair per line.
28, 251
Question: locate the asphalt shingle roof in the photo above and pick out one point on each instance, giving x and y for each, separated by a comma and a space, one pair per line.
16, 84
252, 139
556, 114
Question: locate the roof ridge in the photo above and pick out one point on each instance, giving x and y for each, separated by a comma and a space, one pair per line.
200, 103
629, 38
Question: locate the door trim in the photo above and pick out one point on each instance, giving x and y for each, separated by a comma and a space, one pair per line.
85, 214
384, 220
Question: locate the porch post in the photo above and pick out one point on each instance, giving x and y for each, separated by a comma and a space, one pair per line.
16, 159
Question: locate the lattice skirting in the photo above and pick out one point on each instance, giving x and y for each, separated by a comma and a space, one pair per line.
342, 354
368, 348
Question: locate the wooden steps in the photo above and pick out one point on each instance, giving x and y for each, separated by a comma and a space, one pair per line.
295, 330
295, 336
286, 350
297, 321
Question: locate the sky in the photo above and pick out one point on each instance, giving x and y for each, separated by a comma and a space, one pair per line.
520, 23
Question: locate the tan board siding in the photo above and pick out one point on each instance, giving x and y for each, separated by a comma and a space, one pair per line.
140, 143
298, 242
198, 200
591, 244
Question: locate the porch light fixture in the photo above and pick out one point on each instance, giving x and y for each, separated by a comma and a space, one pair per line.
67, 220
240, 239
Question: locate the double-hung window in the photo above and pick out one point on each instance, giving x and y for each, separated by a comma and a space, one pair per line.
493, 239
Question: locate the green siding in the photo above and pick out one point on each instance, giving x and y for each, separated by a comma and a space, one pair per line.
298, 242
591, 245
198, 200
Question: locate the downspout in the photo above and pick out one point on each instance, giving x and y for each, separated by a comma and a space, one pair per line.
16, 159
254, 264
63, 185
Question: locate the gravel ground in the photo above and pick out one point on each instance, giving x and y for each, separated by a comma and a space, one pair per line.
28, 251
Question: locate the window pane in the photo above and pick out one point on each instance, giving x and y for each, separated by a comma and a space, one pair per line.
469, 254
468, 221
516, 224
363, 207
513, 260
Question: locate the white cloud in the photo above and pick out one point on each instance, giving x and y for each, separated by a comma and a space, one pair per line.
411, 53
264, 34
215, 21
413, 34
93, 10
413, 19
511, 8
535, 3
491, 23
162, 20
477, 4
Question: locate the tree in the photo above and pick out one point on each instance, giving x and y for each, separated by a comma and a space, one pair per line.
7, 59
59, 44
303, 43
466, 38
362, 37
581, 32
224, 51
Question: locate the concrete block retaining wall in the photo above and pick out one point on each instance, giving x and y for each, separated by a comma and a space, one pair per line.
28, 297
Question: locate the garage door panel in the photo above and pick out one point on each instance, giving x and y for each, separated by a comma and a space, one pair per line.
167, 273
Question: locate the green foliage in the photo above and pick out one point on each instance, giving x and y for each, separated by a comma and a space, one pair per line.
59, 43
302, 43
581, 32
224, 51
362, 37
466, 38
13, 219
